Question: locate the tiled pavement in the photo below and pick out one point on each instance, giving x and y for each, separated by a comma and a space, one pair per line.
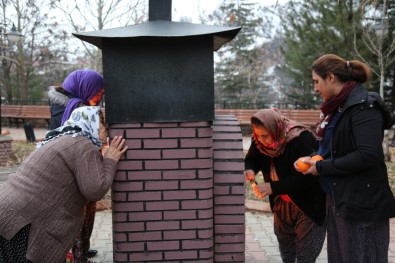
261, 243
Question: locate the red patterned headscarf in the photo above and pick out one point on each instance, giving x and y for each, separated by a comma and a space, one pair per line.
281, 129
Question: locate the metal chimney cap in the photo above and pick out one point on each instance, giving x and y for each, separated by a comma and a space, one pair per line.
162, 29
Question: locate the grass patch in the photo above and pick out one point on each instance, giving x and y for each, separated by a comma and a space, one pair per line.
20, 150
391, 175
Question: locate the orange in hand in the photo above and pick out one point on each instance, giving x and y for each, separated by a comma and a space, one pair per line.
256, 191
303, 167
317, 158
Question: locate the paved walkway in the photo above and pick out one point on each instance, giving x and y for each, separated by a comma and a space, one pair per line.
261, 243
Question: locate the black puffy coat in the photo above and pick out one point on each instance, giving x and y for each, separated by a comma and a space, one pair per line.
57, 105
356, 167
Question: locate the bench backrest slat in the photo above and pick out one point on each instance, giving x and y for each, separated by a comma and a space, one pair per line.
308, 117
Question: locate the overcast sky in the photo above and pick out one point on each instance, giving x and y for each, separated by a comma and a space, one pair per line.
192, 8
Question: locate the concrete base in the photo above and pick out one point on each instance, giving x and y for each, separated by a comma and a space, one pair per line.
5, 148
258, 206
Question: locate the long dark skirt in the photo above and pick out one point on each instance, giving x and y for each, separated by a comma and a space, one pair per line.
352, 241
15, 250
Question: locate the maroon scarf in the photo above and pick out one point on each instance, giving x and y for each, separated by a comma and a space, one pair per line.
329, 107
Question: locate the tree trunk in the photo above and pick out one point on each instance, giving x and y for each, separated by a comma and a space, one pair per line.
22, 73
393, 89
7, 82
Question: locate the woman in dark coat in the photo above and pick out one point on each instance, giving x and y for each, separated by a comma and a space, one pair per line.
353, 172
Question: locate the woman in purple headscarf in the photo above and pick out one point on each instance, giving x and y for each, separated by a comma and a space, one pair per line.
82, 87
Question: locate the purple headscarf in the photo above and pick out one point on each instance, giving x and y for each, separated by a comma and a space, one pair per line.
83, 85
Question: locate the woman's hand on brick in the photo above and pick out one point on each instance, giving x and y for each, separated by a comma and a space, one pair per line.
116, 149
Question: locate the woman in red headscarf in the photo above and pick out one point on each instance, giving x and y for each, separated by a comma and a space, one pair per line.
297, 201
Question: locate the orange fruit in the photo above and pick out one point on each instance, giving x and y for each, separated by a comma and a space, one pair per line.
303, 167
317, 158
256, 191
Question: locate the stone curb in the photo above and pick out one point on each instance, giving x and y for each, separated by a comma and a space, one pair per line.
257, 206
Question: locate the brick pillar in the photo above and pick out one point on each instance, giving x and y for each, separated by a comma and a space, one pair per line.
229, 191
163, 193
5, 148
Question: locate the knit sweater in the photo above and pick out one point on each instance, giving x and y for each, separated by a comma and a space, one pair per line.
49, 191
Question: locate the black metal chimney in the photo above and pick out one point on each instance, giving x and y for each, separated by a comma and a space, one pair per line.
159, 71
159, 10
169, 197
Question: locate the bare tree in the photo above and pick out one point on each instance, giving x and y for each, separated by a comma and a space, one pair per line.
95, 15
7, 56
32, 19
375, 37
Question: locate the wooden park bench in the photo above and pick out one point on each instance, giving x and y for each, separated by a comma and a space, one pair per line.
35, 112
306, 117
18, 114
242, 115
12, 113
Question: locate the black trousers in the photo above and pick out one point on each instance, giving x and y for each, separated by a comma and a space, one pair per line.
300, 239
15, 250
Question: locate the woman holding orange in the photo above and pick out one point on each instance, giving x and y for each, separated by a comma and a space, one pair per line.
297, 201
353, 173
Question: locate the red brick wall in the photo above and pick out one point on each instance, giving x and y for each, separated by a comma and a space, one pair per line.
163, 195
229, 219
